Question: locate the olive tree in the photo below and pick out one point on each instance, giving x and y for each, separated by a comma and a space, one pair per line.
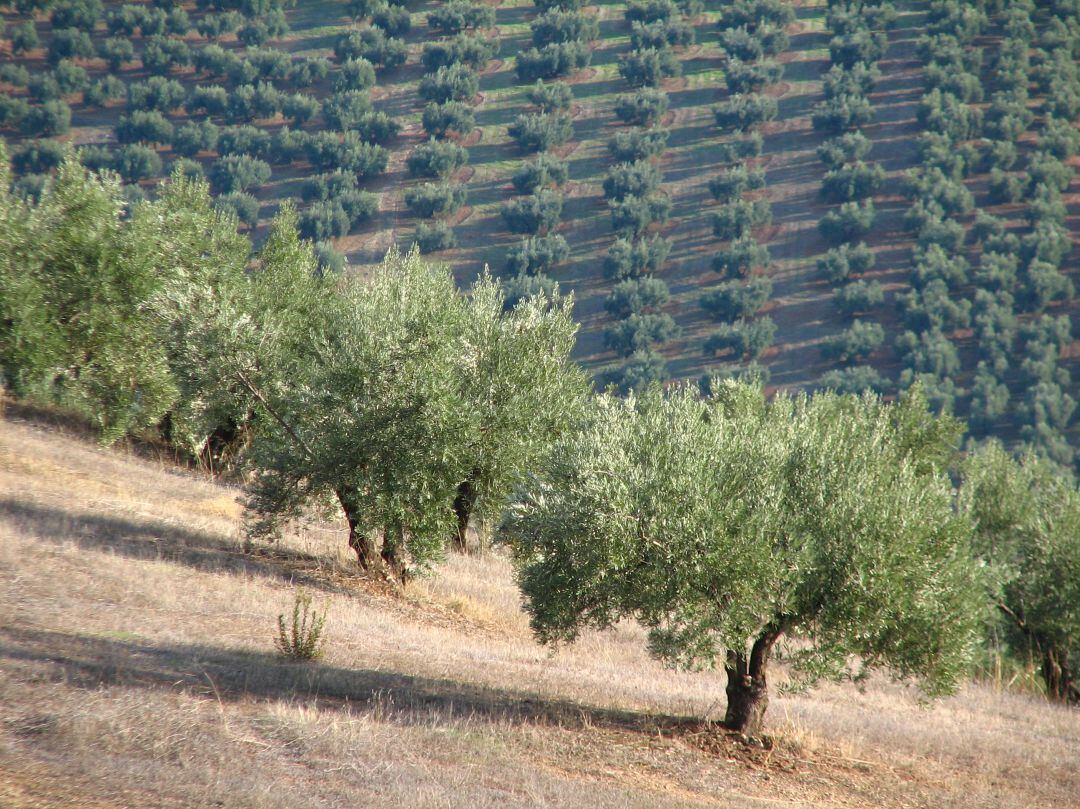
726, 525
239, 172
536, 254
389, 399
551, 97
847, 223
543, 172
535, 213
539, 131
436, 159
74, 327
647, 67
645, 108
628, 147
434, 199
453, 83
1027, 528
861, 339
745, 111
522, 390
633, 259
458, 15
747, 339
434, 237
735, 299
631, 179
631, 215
551, 61
636, 296
640, 332
451, 117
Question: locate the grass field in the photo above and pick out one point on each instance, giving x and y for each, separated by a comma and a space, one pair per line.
138, 669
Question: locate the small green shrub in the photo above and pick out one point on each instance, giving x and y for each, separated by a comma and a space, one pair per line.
302, 638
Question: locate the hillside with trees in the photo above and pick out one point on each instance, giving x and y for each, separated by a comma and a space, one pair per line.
375, 431
849, 195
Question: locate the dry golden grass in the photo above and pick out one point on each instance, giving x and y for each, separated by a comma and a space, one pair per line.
137, 669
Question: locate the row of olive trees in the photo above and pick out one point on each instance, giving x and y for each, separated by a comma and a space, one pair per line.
450, 87
561, 36
1020, 274
1016, 274
752, 36
935, 308
152, 319
858, 41
659, 31
728, 525
132, 19
252, 75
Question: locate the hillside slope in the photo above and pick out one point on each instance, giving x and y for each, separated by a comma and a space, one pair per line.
138, 669
801, 304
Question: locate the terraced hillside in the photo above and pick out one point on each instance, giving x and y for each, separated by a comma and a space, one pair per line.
970, 271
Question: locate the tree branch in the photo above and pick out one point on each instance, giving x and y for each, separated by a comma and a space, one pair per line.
759, 653
277, 416
1018, 619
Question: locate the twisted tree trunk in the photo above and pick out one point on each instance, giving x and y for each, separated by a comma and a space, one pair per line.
1057, 672
463, 508
1058, 675
359, 539
393, 553
747, 684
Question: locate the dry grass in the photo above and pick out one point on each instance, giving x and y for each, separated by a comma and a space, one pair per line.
138, 669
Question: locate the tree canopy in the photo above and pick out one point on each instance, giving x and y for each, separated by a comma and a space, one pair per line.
1026, 514
725, 524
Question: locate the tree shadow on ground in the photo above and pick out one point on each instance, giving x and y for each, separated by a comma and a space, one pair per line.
235, 676
157, 540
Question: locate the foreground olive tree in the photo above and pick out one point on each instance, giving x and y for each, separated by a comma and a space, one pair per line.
728, 524
1027, 528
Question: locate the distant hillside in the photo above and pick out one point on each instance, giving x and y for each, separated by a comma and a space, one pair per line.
971, 263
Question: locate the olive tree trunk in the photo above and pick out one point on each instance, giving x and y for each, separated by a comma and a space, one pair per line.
464, 502
390, 558
747, 685
1058, 675
393, 553
1057, 671
359, 538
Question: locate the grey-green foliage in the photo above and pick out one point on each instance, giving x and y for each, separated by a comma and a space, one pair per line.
729, 522
434, 237
551, 97
747, 338
80, 278
72, 288
735, 299
345, 373
195, 241
342, 374
434, 199
858, 341
1027, 529
858, 296
540, 173
855, 379
633, 259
